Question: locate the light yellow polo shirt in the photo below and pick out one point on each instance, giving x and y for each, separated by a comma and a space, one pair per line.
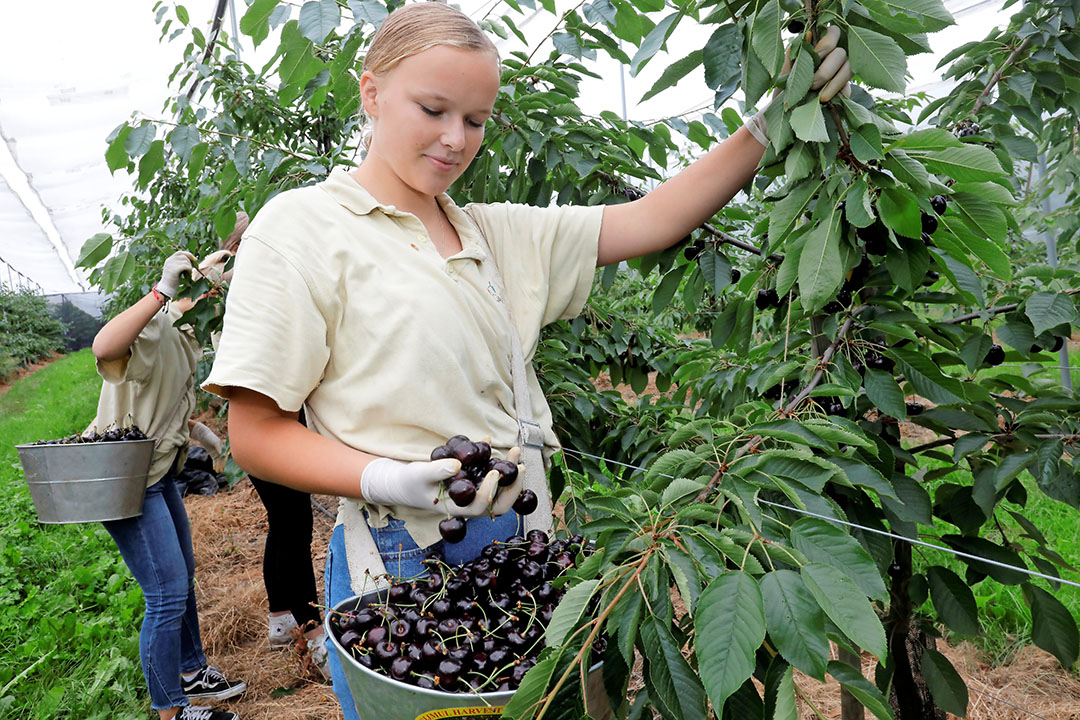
344, 305
154, 387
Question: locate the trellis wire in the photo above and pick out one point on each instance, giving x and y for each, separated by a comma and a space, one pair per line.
862, 527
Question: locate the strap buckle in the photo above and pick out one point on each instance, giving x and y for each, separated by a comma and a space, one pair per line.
532, 435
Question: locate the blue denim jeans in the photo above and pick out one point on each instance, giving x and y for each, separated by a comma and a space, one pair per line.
402, 558
156, 546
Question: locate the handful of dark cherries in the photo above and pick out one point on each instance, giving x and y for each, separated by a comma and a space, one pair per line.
111, 435
474, 628
476, 463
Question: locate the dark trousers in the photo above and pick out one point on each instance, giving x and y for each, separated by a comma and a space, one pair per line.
287, 568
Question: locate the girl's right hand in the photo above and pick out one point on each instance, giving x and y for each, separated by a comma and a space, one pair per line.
420, 485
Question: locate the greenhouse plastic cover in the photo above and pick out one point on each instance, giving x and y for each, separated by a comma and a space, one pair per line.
72, 71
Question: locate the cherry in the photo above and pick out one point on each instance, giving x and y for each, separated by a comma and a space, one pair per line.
459, 654
411, 615
995, 355
455, 441
398, 592
834, 408
414, 652
914, 408
735, 275
462, 492
441, 607
484, 449
463, 605
425, 626
425, 681
432, 651
452, 529
929, 222
546, 612
483, 581
441, 453
400, 668
467, 452
939, 203
508, 472
766, 298
366, 660
401, 630
376, 635
419, 596
525, 503
385, 653
1059, 342
350, 638
932, 277
832, 307
518, 673
795, 27
499, 656
538, 536
599, 645
480, 663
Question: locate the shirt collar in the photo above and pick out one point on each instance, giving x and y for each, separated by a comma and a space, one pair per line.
356, 199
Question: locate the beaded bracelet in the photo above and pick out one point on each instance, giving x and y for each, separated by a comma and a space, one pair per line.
161, 298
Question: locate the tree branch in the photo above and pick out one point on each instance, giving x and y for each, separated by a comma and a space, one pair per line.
997, 75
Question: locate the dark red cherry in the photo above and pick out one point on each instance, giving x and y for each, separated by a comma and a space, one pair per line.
376, 636
525, 503
441, 453
400, 667
508, 473
452, 529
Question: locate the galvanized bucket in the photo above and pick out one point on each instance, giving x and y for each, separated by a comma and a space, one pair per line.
87, 482
377, 696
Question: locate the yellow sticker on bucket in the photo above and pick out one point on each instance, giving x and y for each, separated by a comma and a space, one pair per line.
491, 711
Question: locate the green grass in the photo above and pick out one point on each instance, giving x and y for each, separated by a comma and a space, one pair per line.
70, 626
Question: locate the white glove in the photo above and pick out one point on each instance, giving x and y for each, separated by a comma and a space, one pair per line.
209, 440
177, 264
212, 266
420, 485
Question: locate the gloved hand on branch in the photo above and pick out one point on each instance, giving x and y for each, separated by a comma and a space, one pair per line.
831, 77
177, 264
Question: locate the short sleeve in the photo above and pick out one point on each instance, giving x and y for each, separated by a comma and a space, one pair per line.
139, 363
274, 333
547, 255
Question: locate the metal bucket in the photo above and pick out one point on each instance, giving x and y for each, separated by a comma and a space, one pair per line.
87, 482
377, 696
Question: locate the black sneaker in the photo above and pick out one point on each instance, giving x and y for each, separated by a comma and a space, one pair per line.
210, 684
195, 712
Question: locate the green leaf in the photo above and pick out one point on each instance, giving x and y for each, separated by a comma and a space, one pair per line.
799, 79
787, 212
862, 689
666, 290
820, 270
985, 549
1047, 310
526, 700
926, 377
966, 163
673, 73
796, 622
116, 155
858, 209
863, 475
791, 431
808, 122
371, 11
928, 139
765, 37
152, 162
877, 59
780, 693
198, 157
981, 215
139, 139
946, 686
1052, 626
677, 686
716, 269
256, 20
799, 162
654, 41
94, 250
899, 209
568, 612
319, 18
953, 600
987, 251
823, 542
730, 627
722, 55
883, 391
865, 143
183, 139
846, 605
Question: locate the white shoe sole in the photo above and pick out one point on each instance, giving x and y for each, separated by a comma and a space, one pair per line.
237, 689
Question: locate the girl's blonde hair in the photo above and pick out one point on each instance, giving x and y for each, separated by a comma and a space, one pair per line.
419, 26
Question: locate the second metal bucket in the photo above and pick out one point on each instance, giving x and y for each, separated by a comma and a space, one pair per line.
87, 482
377, 697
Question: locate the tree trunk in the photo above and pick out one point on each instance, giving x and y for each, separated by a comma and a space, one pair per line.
909, 696
850, 707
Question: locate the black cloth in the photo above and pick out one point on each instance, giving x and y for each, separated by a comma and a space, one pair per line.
197, 477
288, 573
